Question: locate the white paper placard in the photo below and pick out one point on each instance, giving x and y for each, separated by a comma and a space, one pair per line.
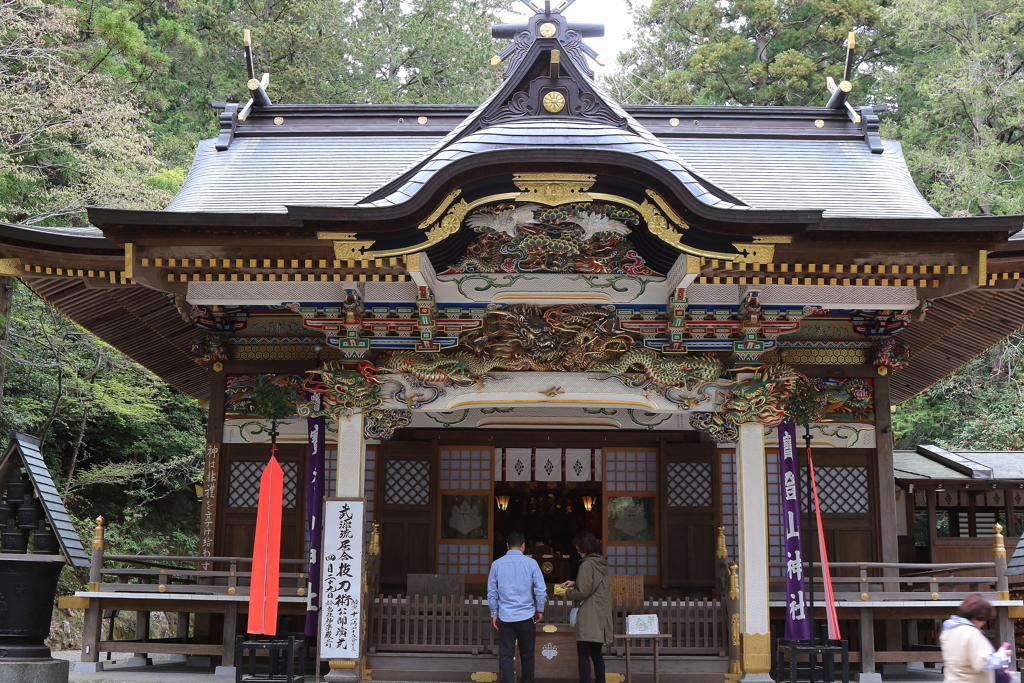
341, 586
549, 464
641, 624
518, 463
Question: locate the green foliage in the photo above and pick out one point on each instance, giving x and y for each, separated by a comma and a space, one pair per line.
956, 81
71, 136
118, 441
979, 407
750, 52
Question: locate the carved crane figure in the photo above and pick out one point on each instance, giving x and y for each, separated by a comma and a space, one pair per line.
592, 223
507, 221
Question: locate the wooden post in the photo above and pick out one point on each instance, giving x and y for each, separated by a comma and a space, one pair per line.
181, 626
752, 477
733, 610
94, 613
867, 646
212, 474
227, 658
1004, 625
887, 503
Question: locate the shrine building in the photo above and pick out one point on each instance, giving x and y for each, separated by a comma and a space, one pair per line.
550, 312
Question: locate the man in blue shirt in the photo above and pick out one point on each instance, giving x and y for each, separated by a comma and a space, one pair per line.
517, 595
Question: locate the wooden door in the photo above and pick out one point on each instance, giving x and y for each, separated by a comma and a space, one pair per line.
407, 496
243, 466
689, 486
847, 493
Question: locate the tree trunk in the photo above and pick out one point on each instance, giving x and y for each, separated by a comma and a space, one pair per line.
6, 295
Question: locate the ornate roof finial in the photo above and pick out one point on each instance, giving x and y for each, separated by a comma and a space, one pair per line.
547, 24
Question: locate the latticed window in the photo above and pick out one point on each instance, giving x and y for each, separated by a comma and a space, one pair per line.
244, 489
843, 490
407, 482
689, 484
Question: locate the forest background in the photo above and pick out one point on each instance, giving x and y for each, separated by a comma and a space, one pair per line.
103, 102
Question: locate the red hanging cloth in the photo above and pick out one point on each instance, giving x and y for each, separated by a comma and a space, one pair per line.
266, 552
826, 574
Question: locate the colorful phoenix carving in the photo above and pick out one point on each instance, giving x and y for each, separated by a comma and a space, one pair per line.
585, 237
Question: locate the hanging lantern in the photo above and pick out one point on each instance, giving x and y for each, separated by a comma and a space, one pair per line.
502, 502
588, 503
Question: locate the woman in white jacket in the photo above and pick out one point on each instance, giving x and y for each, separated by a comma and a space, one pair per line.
967, 655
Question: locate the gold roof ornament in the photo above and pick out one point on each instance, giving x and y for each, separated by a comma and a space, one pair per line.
554, 188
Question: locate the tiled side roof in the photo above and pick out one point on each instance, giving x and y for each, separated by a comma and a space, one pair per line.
264, 174
842, 177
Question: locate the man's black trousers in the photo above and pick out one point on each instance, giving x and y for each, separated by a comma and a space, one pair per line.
525, 632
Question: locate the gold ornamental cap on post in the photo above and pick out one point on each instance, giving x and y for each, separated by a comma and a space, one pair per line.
97, 533
1000, 548
734, 582
375, 538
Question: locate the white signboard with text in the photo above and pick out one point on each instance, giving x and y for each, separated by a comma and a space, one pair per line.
341, 585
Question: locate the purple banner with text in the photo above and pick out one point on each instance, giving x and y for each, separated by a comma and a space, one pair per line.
797, 615
316, 428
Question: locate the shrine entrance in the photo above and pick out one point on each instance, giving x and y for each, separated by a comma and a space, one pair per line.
549, 515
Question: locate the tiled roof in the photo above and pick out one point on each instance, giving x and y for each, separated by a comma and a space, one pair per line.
266, 174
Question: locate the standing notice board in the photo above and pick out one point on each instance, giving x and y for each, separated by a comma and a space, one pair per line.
341, 582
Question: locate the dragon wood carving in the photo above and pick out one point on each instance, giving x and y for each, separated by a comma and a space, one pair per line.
344, 392
761, 400
562, 338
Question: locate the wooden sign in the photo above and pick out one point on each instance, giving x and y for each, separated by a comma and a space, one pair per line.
341, 583
207, 523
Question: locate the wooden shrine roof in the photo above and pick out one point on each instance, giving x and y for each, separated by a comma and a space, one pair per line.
780, 168
140, 322
955, 331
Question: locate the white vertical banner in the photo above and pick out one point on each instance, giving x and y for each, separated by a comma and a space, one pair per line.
341, 587
549, 464
577, 464
518, 464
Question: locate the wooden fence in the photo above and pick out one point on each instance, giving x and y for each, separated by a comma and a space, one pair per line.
450, 624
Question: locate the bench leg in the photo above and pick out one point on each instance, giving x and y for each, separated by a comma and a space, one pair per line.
91, 632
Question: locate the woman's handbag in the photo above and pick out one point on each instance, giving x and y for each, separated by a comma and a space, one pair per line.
575, 610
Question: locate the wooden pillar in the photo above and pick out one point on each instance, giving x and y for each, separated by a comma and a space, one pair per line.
181, 626
350, 472
227, 657
141, 632
867, 645
91, 631
753, 551
887, 503
933, 523
212, 481
94, 612
350, 475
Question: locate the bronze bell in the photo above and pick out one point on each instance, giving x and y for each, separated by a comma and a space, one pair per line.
13, 539
44, 541
29, 513
17, 488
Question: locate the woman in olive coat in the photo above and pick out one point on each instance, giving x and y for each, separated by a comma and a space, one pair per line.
594, 618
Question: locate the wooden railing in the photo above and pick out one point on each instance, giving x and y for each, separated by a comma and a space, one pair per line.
450, 624
156, 574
